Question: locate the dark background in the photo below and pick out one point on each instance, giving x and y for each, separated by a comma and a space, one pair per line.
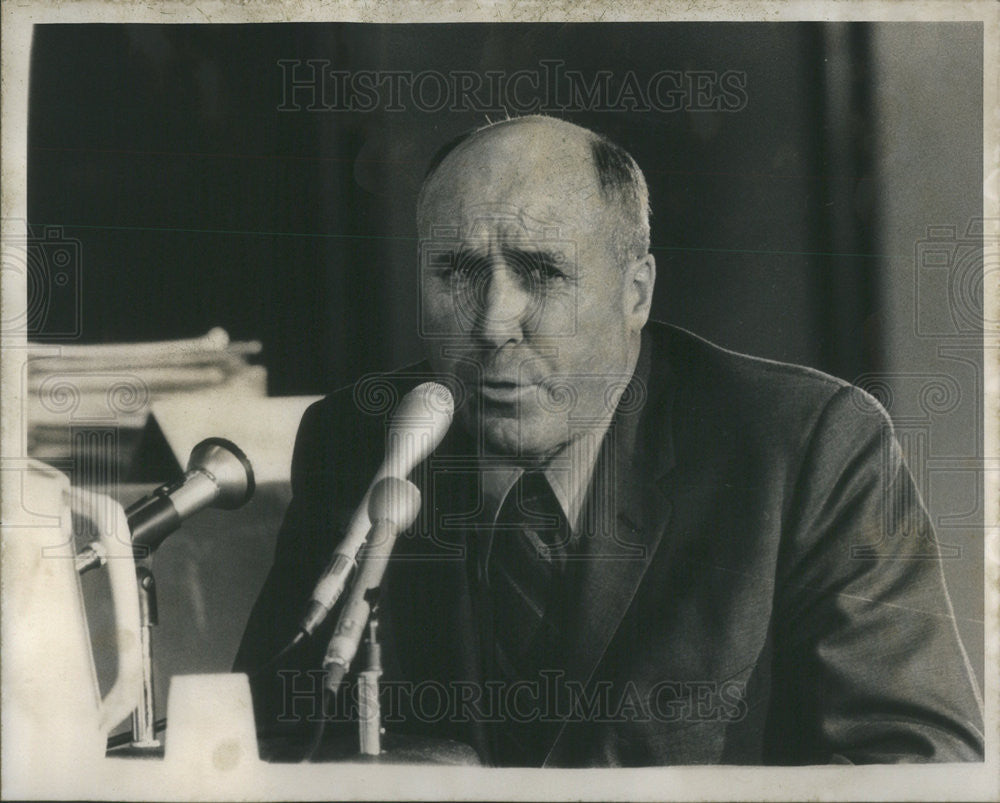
789, 229
199, 203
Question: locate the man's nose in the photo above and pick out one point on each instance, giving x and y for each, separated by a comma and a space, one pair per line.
505, 305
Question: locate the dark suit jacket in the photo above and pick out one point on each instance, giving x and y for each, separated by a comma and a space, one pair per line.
757, 580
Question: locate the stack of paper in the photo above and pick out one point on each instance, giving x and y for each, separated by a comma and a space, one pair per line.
114, 385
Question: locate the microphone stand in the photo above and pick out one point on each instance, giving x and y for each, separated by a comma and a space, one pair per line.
369, 710
144, 716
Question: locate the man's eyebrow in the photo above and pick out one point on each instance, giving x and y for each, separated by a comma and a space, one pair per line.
527, 253
548, 258
534, 249
544, 252
528, 247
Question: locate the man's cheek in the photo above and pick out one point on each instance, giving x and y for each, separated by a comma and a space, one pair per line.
559, 317
437, 313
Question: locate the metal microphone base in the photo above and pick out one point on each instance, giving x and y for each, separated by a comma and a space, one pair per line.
397, 748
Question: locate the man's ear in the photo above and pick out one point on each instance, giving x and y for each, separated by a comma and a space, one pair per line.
639, 282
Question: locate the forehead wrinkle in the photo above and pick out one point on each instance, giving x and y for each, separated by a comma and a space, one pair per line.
516, 199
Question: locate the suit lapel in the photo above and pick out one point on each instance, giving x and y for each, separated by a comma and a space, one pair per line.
610, 567
626, 514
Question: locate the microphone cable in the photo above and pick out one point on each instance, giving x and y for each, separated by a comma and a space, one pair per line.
328, 694
272, 662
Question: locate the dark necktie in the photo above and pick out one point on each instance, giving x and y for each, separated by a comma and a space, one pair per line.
525, 568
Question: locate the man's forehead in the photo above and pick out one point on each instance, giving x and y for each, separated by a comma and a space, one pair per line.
469, 221
534, 168
516, 206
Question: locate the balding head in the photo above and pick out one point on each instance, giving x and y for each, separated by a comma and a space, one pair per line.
511, 151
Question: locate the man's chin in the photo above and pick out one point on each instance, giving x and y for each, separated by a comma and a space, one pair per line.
512, 437
513, 430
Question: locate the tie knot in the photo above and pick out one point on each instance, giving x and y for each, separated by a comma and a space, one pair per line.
532, 507
535, 486
529, 501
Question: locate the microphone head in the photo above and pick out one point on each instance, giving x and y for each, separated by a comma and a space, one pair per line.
417, 427
230, 469
394, 500
428, 404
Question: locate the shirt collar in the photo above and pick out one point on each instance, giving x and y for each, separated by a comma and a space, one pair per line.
568, 472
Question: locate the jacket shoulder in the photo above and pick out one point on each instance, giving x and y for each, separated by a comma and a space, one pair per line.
757, 399
693, 357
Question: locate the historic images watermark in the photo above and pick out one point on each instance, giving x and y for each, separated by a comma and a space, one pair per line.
48, 263
954, 263
316, 85
552, 698
952, 266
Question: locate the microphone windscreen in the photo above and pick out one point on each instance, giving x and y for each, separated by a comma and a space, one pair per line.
417, 427
229, 467
396, 501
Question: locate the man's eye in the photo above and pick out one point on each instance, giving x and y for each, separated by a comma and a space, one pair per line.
544, 267
468, 266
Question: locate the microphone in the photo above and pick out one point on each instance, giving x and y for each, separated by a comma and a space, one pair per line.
393, 507
218, 475
416, 429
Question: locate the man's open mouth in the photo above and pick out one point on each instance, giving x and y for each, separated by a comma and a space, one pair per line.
505, 392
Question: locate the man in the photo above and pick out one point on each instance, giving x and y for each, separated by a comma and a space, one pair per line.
635, 548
